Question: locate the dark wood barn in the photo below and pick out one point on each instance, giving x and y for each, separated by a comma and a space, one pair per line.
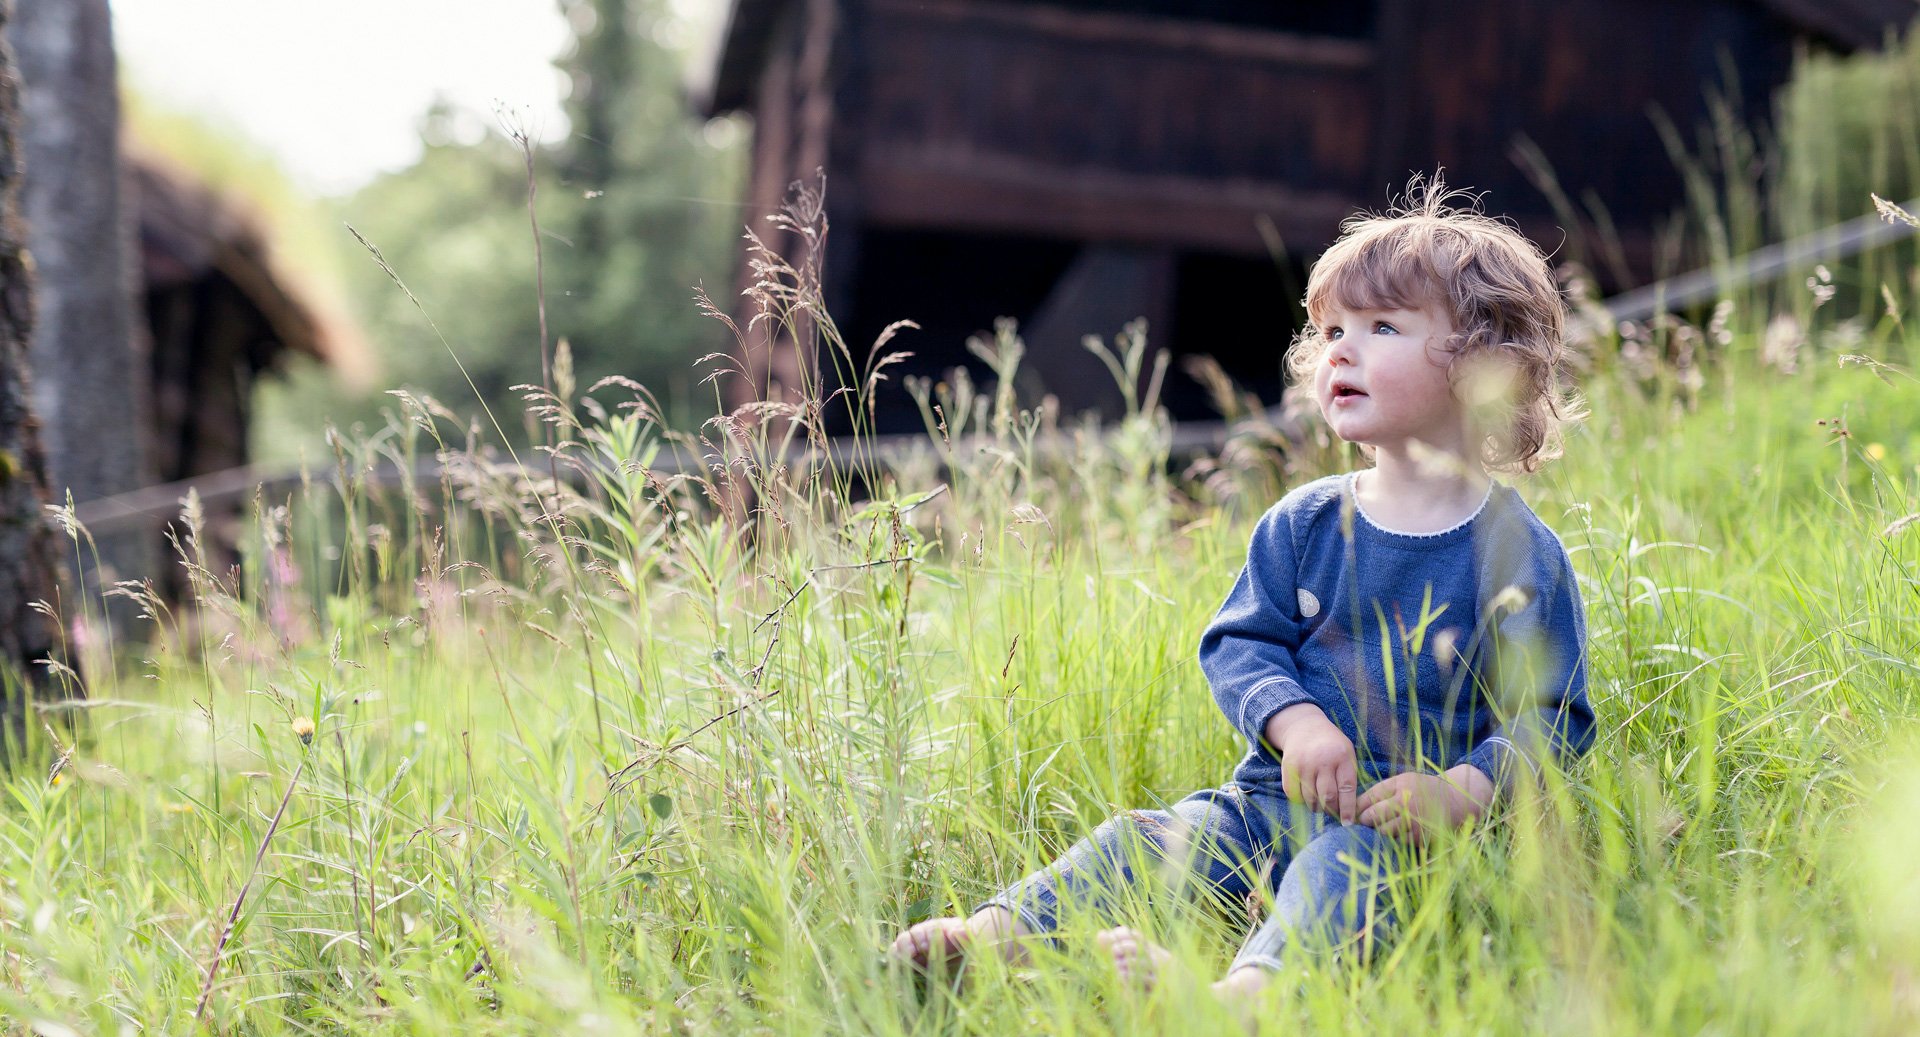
1078, 163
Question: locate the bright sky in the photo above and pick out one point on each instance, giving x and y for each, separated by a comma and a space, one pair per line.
336, 88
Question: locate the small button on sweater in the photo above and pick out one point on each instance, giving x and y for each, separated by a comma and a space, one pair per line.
1427, 650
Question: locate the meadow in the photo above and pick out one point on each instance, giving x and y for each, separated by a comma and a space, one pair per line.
576, 743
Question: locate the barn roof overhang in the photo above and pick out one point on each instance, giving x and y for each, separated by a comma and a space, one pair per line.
750, 24
188, 230
1849, 24
743, 52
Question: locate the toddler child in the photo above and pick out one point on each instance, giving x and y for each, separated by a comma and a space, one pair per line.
1405, 644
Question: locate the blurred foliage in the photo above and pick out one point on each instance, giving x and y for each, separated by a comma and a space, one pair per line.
1850, 127
636, 206
1845, 127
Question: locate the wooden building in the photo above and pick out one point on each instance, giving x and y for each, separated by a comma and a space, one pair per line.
1078, 163
219, 314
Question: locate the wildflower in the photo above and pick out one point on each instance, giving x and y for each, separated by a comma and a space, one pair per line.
303, 727
1445, 649
1780, 343
1510, 600
1875, 451
177, 808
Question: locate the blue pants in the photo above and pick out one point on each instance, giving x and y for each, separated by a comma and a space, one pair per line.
1327, 879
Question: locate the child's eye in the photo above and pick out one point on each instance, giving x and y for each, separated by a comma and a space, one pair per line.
1331, 334
1383, 326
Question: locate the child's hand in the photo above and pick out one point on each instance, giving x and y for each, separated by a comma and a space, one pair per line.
1317, 767
1413, 807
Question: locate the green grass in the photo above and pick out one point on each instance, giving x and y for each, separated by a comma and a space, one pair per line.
603, 767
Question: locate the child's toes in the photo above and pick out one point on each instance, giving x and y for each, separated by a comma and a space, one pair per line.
1138, 960
1122, 946
937, 939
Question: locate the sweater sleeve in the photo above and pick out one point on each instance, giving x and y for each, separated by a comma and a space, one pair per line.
1247, 652
1539, 673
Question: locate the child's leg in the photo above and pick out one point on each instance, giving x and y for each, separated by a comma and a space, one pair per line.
1209, 838
1332, 895
1210, 834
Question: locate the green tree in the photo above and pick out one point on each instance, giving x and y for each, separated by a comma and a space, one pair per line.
636, 206
652, 203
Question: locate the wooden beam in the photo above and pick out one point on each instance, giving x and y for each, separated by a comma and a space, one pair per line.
951, 189
1170, 34
1854, 24
744, 48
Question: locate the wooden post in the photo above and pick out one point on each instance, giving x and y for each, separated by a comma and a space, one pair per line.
89, 378
27, 559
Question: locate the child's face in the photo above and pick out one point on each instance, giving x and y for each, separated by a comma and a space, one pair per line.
1382, 380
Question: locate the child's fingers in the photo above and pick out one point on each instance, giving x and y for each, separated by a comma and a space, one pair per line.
1346, 780
1380, 792
1328, 783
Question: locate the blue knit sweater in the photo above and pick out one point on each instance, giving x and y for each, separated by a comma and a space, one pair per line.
1466, 645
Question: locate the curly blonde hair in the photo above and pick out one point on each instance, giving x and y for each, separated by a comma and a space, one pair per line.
1492, 282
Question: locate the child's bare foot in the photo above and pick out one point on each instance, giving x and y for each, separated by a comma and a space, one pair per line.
1240, 992
942, 940
945, 942
1141, 963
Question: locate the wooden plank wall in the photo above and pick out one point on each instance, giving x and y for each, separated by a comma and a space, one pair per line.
990, 115
1579, 78
996, 116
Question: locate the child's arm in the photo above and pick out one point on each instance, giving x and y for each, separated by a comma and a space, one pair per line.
1540, 673
1247, 653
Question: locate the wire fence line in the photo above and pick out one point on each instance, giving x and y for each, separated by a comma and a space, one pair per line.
1832, 244
153, 506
